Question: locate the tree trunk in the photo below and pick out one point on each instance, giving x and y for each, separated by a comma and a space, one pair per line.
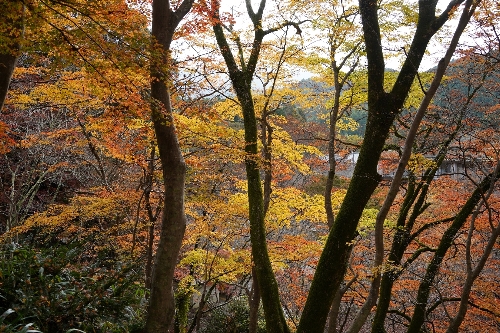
241, 81
11, 34
382, 109
334, 115
161, 307
400, 240
152, 217
275, 319
399, 244
415, 196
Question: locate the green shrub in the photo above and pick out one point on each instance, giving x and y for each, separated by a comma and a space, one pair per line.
231, 318
57, 293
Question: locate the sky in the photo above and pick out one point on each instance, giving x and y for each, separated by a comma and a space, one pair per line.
436, 48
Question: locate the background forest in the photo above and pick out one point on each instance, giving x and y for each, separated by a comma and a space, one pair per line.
282, 166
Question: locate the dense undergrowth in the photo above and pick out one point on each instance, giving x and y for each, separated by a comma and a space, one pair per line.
56, 292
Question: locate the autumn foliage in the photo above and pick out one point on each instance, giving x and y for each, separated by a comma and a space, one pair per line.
103, 119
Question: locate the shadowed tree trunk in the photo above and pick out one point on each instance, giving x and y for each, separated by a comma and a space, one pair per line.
161, 307
11, 33
241, 80
382, 108
371, 300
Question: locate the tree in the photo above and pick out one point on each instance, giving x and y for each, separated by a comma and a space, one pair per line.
232, 196
98, 43
241, 76
343, 56
382, 109
161, 307
11, 34
379, 250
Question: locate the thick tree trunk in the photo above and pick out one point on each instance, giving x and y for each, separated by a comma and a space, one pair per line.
382, 109
11, 34
161, 307
333, 261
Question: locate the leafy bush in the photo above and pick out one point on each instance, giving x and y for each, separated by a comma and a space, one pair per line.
74, 271
231, 318
57, 294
